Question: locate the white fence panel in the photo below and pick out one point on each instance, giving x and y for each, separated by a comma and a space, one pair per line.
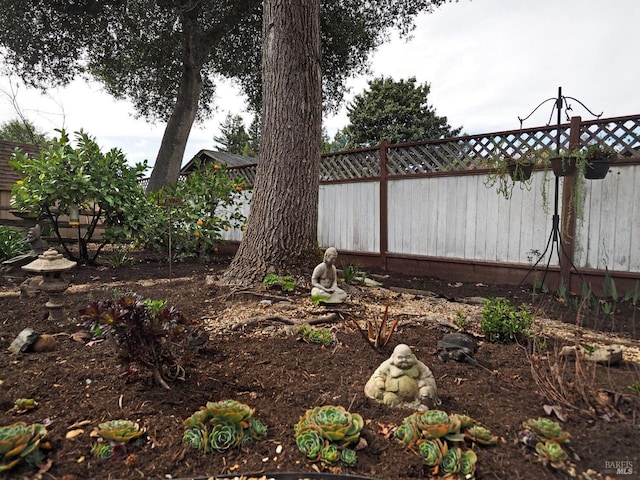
349, 216
608, 234
235, 234
459, 217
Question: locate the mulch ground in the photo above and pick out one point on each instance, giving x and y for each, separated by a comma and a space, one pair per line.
267, 366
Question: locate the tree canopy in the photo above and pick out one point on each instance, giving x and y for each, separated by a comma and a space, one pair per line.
165, 56
234, 138
22, 132
396, 111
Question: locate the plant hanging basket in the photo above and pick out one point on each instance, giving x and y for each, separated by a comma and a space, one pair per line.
520, 172
563, 166
596, 169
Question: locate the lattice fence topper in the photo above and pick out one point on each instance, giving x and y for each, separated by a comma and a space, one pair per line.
474, 151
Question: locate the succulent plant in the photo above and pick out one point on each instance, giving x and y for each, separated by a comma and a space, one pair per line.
451, 461
407, 434
324, 433
551, 452
465, 421
231, 410
221, 425
21, 443
334, 423
102, 450
309, 442
432, 451
348, 457
546, 429
468, 462
436, 424
22, 405
480, 435
329, 454
225, 434
120, 431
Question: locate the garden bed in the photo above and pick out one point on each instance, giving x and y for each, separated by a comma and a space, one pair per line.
264, 364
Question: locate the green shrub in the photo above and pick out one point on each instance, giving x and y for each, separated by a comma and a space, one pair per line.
502, 322
197, 211
102, 186
12, 242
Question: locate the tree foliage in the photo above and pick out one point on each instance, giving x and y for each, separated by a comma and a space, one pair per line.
195, 213
101, 185
22, 132
394, 111
233, 136
164, 56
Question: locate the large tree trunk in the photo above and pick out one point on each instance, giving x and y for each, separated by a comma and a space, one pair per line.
281, 234
174, 140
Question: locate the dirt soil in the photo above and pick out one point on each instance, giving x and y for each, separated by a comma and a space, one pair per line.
253, 355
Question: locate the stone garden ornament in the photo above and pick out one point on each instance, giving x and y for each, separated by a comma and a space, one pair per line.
324, 280
403, 381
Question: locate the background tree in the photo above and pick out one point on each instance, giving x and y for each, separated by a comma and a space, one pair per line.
22, 132
164, 56
233, 137
394, 111
340, 142
282, 227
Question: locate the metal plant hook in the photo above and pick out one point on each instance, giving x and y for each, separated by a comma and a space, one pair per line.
555, 235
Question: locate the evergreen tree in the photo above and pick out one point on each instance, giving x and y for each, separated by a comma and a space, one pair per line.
233, 138
398, 112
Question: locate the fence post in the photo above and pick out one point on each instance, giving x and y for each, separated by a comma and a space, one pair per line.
384, 220
569, 207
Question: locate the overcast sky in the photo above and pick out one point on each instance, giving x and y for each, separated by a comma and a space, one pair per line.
488, 62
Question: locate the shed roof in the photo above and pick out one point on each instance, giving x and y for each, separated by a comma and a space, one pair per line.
230, 159
8, 175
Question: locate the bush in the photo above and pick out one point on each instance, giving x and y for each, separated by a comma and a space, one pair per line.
502, 322
12, 243
146, 332
101, 186
197, 210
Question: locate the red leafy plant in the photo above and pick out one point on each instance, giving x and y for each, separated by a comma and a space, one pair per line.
146, 332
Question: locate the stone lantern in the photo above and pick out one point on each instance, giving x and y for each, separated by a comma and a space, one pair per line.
51, 265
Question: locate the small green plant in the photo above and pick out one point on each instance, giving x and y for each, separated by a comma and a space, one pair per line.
286, 283
22, 444
222, 425
12, 243
502, 322
145, 332
461, 320
309, 334
633, 296
350, 273
326, 434
117, 436
589, 349
317, 299
635, 387
444, 441
121, 256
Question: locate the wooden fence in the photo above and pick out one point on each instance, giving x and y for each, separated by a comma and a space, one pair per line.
423, 209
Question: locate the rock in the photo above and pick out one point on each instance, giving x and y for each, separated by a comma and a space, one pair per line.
44, 343
24, 340
30, 287
610, 355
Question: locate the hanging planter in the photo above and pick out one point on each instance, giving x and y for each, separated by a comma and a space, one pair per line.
563, 166
596, 169
598, 158
519, 171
